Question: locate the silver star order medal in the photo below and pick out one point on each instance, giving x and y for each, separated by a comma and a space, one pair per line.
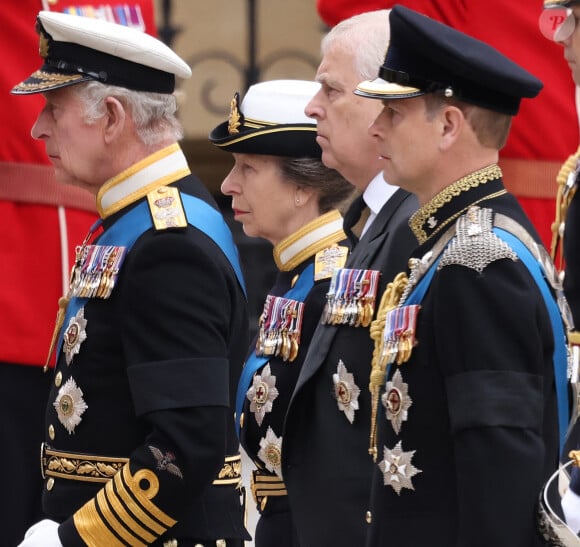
397, 402
397, 468
74, 335
345, 391
271, 452
262, 393
70, 405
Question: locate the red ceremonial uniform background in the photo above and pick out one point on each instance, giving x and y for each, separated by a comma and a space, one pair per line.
30, 252
545, 132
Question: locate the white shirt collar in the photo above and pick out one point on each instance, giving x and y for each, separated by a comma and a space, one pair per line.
377, 193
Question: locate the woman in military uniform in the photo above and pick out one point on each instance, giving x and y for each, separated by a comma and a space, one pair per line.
282, 192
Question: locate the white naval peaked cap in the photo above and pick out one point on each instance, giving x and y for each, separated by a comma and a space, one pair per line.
271, 120
279, 101
77, 49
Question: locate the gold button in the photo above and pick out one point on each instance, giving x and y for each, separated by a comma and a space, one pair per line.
220, 543
242, 420
369, 517
58, 379
51, 432
50, 484
198, 545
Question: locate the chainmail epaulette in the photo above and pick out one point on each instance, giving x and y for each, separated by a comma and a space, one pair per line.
475, 245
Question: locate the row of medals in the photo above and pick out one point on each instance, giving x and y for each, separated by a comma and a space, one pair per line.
351, 297
279, 328
96, 271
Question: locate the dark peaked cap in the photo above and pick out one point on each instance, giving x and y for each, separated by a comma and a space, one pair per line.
425, 56
560, 3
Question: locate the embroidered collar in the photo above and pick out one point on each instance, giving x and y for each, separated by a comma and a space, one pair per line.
161, 168
315, 236
448, 204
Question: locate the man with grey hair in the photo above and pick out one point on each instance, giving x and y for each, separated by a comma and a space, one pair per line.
140, 444
325, 461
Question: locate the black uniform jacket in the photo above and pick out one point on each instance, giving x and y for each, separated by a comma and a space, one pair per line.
324, 457
157, 373
481, 433
281, 374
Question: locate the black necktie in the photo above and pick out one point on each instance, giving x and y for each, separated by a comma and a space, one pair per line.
355, 219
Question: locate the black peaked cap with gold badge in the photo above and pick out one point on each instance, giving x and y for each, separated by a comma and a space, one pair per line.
76, 49
560, 3
426, 56
271, 121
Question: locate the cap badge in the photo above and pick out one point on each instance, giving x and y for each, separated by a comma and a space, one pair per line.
235, 119
43, 45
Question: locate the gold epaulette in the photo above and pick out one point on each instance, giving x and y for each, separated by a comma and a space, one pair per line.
566, 191
166, 208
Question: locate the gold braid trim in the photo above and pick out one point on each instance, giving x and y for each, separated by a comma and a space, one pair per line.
563, 200
575, 455
123, 509
464, 184
389, 301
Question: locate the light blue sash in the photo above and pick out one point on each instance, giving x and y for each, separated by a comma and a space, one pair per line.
560, 352
128, 228
299, 292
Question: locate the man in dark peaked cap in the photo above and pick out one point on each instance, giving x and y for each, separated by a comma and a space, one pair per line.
468, 385
140, 447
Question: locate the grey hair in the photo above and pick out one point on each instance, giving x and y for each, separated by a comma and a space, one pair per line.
332, 190
154, 114
365, 35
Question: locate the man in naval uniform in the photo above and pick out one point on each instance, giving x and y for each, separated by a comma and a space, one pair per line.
469, 376
140, 444
325, 438
32, 202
